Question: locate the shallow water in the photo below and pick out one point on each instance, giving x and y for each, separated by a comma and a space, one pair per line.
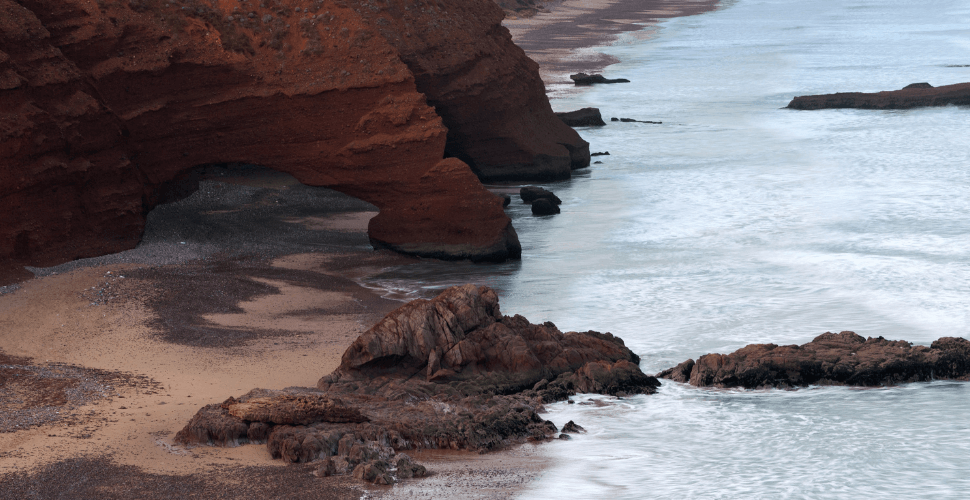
735, 222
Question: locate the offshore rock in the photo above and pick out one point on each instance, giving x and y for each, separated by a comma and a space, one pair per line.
530, 194
543, 206
912, 96
830, 359
585, 117
104, 106
451, 372
584, 79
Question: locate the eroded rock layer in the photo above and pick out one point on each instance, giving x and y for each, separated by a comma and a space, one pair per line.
104, 104
912, 96
830, 359
451, 372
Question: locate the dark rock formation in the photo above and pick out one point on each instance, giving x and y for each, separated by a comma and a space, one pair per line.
584, 79
603, 153
106, 104
451, 372
573, 427
631, 120
530, 194
830, 359
506, 200
912, 96
585, 117
544, 206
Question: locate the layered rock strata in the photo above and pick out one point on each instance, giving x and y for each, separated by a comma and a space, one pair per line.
105, 105
451, 372
830, 359
912, 96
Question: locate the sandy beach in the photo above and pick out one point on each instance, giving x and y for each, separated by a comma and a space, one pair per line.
249, 282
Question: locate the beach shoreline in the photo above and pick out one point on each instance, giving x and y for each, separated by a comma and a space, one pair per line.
195, 314
563, 37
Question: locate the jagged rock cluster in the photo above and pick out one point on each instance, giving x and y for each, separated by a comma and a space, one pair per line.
912, 96
451, 372
830, 359
105, 105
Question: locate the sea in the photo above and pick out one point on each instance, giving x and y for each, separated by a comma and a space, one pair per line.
737, 221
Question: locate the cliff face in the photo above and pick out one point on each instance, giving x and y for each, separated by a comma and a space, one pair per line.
104, 103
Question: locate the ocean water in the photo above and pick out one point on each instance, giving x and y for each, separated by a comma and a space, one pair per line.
738, 222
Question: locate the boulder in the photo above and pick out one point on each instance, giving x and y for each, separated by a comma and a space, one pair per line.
530, 194
912, 96
584, 79
830, 359
543, 206
573, 427
585, 117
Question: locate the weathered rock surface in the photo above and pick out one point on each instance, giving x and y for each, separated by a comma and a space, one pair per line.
585, 117
544, 206
912, 96
584, 79
530, 194
451, 372
105, 105
830, 359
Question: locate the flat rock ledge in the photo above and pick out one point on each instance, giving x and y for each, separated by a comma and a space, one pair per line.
451, 372
915, 95
830, 359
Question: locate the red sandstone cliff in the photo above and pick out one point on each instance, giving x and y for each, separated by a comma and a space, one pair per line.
103, 102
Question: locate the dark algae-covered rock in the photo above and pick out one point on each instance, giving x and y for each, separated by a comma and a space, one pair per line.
452, 372
530, 194
543, 206
584, 79
830, 359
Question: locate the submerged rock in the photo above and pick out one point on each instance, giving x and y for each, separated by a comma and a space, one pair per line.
912, 96
830, 359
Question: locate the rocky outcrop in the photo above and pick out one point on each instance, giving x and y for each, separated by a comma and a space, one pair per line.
451, 372
830, 359
106, 105
585, 117
912, 96
585, 79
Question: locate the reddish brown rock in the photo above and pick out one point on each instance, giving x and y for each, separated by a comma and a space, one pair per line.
104, 104
831, 359
451, 372
462, 337
484, 87
912, 96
